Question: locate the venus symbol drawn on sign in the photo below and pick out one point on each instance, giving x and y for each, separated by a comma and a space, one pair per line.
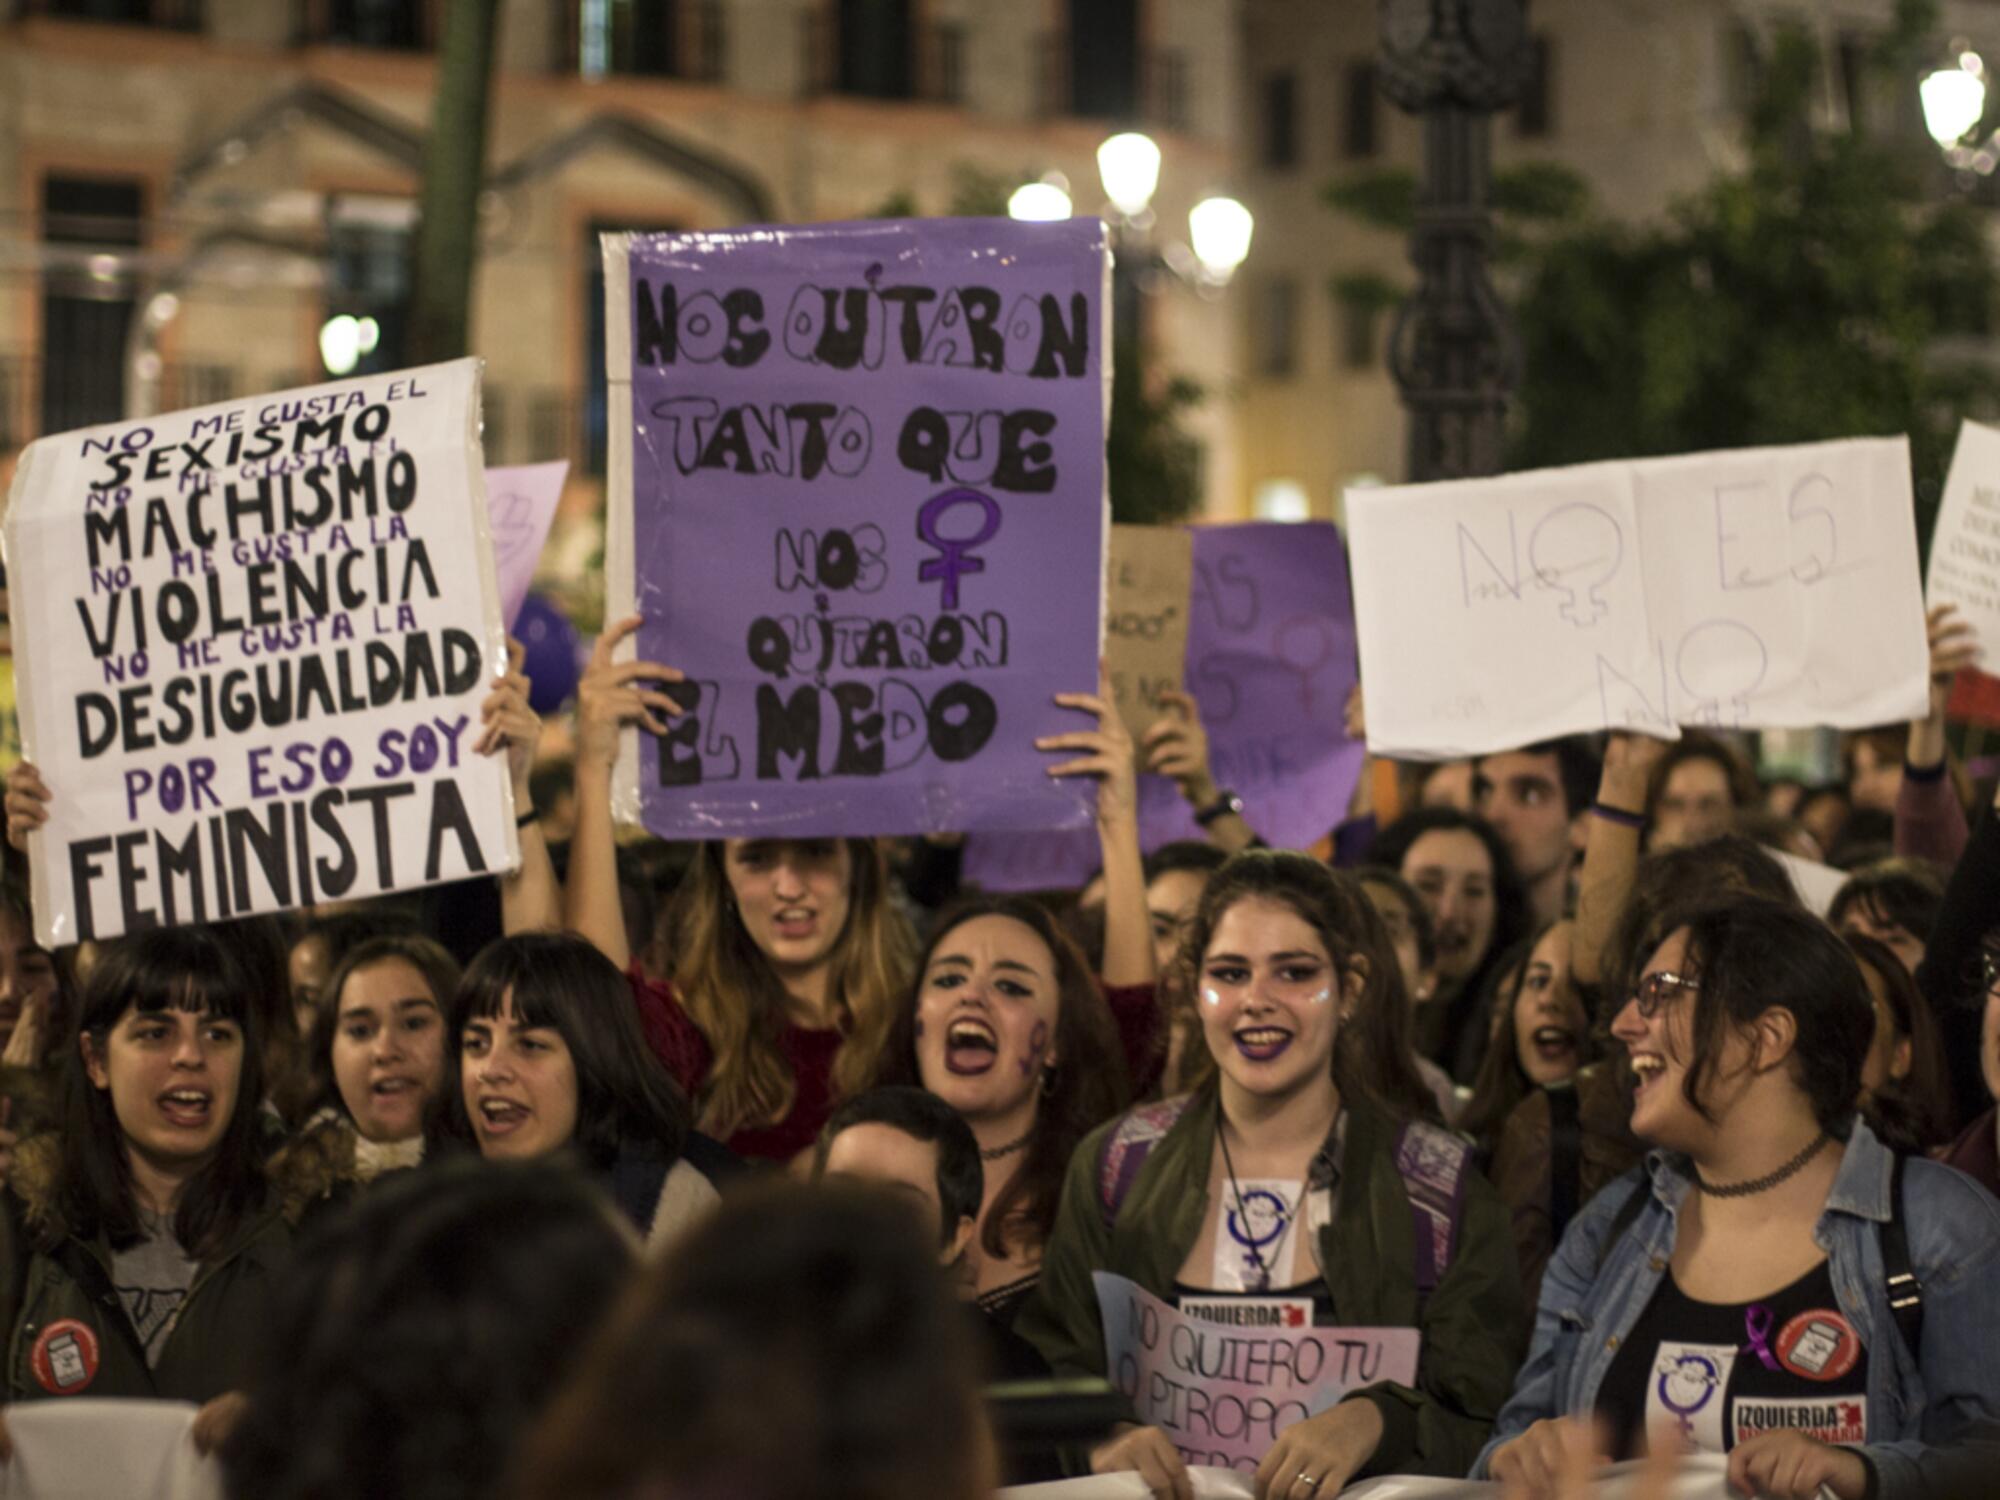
1314, 634
1721, 662
954, 553
1575, 549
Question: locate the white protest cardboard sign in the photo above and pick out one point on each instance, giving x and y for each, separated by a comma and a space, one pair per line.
1965, 547
252, 640
1760, 588
1222, 1392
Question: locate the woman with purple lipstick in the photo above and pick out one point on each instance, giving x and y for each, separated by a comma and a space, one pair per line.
1293, 1190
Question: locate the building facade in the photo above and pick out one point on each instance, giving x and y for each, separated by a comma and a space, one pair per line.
193, 188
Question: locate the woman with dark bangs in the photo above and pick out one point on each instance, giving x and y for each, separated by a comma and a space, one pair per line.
1008, 1026
140, 1239
545, 1055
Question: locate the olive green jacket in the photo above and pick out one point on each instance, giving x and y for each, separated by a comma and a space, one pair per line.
1471, 1325
50, 1276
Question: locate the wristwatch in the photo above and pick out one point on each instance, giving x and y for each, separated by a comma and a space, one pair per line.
1224, 804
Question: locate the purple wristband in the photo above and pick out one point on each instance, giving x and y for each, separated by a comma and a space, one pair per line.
1618, 815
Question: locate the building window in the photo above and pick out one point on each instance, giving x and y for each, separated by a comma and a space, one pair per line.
1276, 327
944, 63
385, 25
368, 275
1167, 67
1104, 59
87, 297
1851, 58
648, 39
875, 39
1534, 117
1742, 70
1281, 121
1360, 130
168, 15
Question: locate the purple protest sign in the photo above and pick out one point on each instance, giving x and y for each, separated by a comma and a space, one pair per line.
1270, 659
858, 494
521, 504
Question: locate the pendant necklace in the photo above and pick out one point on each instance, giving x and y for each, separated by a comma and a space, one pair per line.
1252, 1245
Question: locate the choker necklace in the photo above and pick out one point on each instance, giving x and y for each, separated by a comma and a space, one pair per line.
1007, 1150
1769, 1180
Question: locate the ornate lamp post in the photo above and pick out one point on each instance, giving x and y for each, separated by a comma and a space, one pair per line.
1453, 351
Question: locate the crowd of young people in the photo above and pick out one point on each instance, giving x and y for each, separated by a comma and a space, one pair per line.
1554, 1069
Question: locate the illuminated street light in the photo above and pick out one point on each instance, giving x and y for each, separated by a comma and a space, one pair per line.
1954, 99
1220, 230
1039, 203
1130, 167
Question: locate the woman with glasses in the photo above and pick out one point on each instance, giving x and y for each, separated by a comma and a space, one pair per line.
1748, 1289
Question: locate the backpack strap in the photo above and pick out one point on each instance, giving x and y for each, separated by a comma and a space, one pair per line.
1565, 1159
1128, 1145
1627, 1215
1906, 1293
1434, 1165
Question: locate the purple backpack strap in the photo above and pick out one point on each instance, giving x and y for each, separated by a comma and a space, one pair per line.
1434, 1165
1125, 1150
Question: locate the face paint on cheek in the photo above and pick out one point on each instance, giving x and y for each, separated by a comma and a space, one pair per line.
1211, 997
1038, 1047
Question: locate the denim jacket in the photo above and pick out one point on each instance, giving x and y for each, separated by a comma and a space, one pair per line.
1946, 1392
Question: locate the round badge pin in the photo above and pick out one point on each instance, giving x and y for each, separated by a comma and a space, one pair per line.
65, 1357
1819, 1345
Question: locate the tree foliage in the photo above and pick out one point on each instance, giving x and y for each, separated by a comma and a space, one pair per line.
1816, 291
1808, 295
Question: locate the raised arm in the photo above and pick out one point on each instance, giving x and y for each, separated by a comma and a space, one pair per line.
1930, 823
1106, 753
1177, 747
530, 899
611, 695
1611, 850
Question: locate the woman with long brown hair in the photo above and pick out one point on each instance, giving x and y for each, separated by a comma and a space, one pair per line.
1007, 1025
1367, 1217
789, 961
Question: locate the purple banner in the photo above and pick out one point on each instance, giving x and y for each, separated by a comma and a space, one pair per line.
1271, 661
867, 489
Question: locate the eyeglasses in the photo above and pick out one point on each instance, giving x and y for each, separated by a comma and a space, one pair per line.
1657, 989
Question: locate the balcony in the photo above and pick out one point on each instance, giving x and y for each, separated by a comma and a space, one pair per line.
162, 15
928, 68
1156, 91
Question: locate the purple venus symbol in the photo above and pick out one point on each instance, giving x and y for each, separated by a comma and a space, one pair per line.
954, 552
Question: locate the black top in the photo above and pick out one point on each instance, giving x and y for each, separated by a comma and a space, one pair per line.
1726, 1372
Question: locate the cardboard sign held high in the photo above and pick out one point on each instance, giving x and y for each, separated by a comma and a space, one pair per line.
1146, 619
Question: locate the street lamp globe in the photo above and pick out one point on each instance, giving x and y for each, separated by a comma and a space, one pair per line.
1954, 99
1130, 166
1220, 230
1038, 203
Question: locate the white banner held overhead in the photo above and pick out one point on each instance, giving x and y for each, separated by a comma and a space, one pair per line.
1760, 588
252, 640
1965, 546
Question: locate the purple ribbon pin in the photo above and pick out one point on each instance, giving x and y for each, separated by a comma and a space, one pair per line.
1758, 1321
953, 559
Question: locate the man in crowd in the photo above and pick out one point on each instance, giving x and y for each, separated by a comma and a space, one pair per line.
1537, 799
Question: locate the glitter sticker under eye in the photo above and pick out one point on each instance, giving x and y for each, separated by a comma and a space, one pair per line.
1323, 996
1211, 997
